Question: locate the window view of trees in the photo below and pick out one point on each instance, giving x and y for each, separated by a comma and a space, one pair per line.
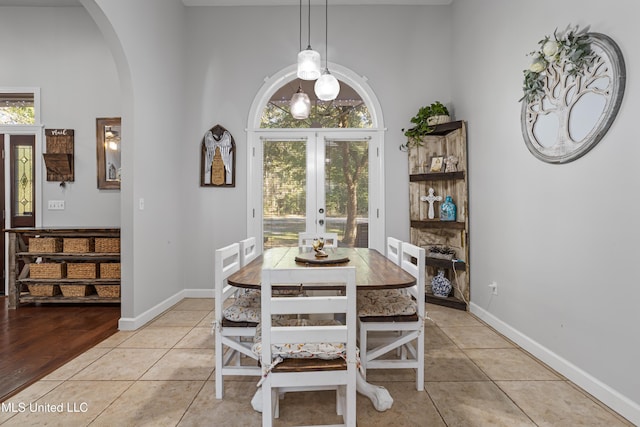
17, 109
346, 170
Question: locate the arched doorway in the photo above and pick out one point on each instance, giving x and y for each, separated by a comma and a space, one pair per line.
321, 174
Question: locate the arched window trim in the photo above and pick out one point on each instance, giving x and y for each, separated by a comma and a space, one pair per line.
288, 74
254, 133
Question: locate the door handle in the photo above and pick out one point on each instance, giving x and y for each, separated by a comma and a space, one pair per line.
321, 221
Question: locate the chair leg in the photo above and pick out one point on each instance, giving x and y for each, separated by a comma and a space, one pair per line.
218, 368
267, 404
420, 357
363, 350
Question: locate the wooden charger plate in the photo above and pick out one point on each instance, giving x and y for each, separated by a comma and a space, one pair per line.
331, 258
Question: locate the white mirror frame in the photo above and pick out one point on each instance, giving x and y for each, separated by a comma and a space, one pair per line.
561, 94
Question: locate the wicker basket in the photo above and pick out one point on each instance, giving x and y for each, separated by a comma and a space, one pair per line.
47, 270
110, 270
76, 290
45, 244
44, 290
108, 244
81, 270
78, 245
108, 291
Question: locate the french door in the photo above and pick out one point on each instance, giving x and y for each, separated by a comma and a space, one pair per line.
316, 181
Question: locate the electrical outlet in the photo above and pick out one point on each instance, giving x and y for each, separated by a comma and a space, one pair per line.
494, 288
55, 205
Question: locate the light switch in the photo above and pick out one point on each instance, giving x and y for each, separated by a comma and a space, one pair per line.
55, 205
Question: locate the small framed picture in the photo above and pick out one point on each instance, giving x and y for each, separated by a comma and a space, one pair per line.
437, 163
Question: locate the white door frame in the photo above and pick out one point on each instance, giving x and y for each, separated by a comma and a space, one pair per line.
376, 149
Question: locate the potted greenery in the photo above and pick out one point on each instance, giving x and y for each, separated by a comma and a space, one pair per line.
427, 117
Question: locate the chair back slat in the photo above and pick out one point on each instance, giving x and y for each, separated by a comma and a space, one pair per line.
413, 260
393, 249
227, 262
305, 240
248, 250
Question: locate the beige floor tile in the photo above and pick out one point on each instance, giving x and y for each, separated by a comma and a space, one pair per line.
182, 364
207, 322
14, 405
472, 404
434, 338
117, 338
150, 403
232, 411
121, 364
510, 364
308, 408
165, 337
71, 368
179, 318
200, 337
558, 403
451, 364
476, 337
447, 317
196, 304
410, 408
79, 402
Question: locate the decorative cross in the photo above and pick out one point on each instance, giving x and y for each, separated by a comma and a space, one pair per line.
430, 199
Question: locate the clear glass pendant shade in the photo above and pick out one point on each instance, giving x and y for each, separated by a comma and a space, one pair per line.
308, 64
327, 87
300, 105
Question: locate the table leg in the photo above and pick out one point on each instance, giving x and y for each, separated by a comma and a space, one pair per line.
379, 396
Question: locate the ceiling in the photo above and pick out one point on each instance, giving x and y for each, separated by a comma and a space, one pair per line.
50, 3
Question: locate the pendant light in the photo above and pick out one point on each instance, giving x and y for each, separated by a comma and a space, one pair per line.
308, 59
327, 86
300, 105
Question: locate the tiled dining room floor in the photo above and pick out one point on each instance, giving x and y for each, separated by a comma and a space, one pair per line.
162, 375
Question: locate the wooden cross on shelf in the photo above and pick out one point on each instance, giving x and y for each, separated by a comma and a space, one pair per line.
430, 199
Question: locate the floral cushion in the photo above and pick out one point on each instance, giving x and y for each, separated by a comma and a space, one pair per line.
245, 308
302, 350
385, 302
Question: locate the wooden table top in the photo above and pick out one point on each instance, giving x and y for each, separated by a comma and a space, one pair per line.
373, 270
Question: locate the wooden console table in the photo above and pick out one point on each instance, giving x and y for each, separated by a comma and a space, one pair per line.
90, 263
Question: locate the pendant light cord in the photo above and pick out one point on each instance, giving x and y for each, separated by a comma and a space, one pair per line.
309, 27
300, 28
326, 35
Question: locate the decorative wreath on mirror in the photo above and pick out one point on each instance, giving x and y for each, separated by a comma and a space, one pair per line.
572, 93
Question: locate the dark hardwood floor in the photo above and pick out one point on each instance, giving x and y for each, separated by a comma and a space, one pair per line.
37, 339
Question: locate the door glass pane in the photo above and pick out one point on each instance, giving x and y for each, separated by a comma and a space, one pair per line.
347, 191
284, 192
23, 181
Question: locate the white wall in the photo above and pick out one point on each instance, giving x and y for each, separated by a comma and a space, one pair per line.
560, 240
61, 51
232, 49
148, 37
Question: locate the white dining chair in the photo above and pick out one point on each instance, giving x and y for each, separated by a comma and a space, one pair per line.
303, 354
394, 321
305, 239
230, 331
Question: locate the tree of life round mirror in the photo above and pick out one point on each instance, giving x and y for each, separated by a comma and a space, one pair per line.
572, 93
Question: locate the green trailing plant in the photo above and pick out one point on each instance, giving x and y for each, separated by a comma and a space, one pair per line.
422, 126
568, 52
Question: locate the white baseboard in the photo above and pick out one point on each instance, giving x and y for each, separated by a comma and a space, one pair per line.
133, 323
610, 397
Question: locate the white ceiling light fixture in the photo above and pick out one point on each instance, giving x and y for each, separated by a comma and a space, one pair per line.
300, 105
308, 59
327, 86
